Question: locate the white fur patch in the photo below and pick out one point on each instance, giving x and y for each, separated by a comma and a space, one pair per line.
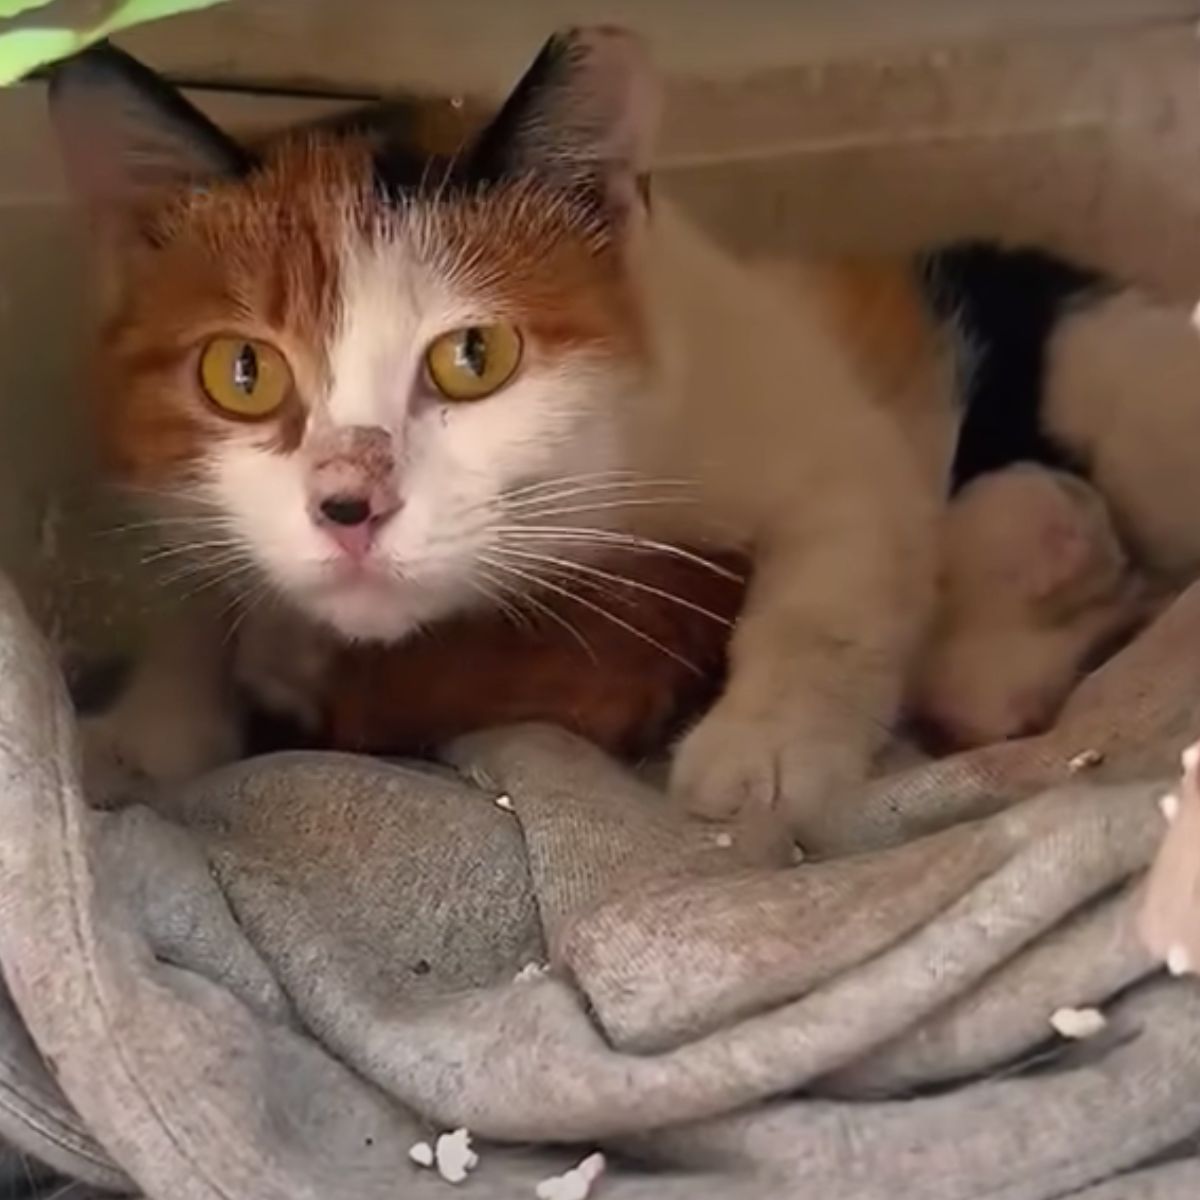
444, 550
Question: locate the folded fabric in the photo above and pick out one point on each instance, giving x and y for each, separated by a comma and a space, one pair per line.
276, 981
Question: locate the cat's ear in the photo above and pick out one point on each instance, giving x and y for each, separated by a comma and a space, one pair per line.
124, 131
584, 116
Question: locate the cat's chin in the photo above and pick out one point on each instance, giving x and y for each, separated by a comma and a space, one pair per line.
366, 611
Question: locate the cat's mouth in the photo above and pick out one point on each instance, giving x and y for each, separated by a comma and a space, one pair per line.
345, 570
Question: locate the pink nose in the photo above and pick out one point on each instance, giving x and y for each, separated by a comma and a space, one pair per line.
351, 521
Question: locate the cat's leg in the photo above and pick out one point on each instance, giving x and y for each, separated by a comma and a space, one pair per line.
818, 662
175, 718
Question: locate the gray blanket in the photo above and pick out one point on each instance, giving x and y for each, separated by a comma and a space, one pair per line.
273, 984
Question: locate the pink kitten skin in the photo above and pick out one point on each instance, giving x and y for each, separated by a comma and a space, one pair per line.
1036, 588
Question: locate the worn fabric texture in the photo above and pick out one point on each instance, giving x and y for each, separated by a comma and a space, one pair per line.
271, 985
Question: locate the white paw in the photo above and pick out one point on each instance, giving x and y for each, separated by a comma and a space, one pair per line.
282, 661
136, 747
732, 765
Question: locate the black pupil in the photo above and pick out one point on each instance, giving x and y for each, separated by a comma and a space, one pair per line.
472, 352
245, 369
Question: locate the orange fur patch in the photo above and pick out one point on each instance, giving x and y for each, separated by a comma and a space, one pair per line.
878, 311
261, 257
480, 671
553, 270
255, 258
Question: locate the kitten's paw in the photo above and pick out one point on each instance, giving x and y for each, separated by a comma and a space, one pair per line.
129, 751
732, 765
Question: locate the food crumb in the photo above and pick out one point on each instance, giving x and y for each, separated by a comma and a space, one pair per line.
1169, 806
1084, 761
531, 971
454, 1156
575, 1184
504, 801
421, 1153
724, 840
1179, 961
1078, 1024
797, 855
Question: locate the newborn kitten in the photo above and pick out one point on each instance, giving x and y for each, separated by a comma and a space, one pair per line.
1036, 589
399, 389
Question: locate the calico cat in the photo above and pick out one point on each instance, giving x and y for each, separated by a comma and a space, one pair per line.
396, 386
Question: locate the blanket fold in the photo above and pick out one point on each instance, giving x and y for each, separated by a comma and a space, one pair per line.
274, 982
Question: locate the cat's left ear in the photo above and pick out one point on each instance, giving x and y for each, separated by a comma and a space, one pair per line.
124, 131
584, 117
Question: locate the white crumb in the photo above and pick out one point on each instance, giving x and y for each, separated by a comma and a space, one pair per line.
1190, 759
724, 840
1179, 961
575, 1184
797, 855
1085, 760
454, 1156
531, 971
1169, 806
421, 1153
456, 102
1078, 1024
504, 801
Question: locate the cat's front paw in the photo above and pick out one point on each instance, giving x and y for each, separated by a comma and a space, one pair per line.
734, 764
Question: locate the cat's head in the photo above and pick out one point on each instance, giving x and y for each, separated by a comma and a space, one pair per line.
354, 369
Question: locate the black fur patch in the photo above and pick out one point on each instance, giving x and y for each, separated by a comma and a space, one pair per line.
1003, 305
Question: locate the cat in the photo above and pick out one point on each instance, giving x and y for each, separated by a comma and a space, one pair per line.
396, 386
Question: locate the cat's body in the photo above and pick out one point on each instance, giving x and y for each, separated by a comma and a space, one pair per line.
661, 391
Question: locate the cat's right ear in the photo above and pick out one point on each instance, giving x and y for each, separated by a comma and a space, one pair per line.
125, 132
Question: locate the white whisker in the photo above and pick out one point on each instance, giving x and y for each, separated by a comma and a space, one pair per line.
616, 475
639, 585
615, 539
246, 603
187, 548
490, 589
546, 611
605, 506
166, 523
568, 486
223, 578
599, 610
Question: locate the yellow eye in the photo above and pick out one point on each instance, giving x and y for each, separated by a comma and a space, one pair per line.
244, 378
471, 363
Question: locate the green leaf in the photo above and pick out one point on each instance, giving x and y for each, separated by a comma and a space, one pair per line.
14, 8
31, 46
138, 12
22, 50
